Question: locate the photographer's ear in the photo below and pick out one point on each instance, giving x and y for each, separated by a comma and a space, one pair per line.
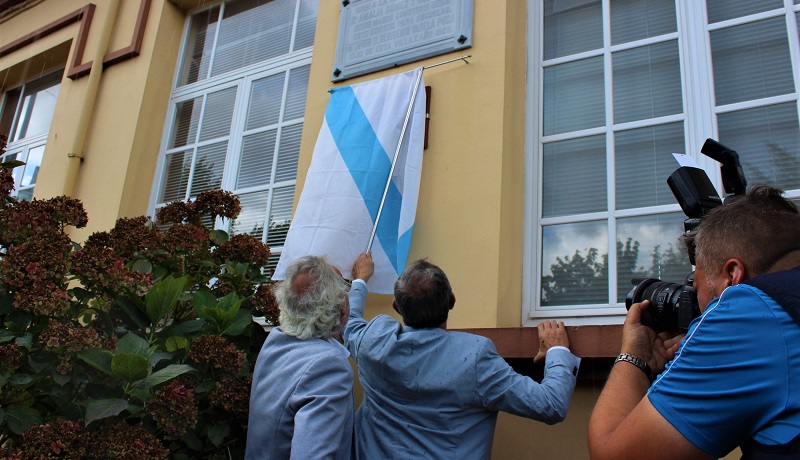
734, 272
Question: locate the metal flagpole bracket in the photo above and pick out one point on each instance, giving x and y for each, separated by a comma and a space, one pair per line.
400, 143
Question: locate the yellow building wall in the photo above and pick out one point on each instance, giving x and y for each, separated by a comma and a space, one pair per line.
113, 118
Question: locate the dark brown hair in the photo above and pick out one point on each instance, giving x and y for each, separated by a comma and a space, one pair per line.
422, 295
759, 229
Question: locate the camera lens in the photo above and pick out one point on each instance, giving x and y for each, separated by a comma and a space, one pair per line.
668, 311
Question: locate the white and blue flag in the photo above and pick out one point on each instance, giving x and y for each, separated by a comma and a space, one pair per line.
347, 177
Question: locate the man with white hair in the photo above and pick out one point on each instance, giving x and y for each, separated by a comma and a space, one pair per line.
301, 401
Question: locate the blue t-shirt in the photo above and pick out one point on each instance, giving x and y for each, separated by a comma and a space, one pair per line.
736, 375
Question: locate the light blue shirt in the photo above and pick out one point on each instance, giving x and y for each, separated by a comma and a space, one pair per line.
431, 393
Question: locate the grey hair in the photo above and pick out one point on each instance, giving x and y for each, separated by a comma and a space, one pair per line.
311, 308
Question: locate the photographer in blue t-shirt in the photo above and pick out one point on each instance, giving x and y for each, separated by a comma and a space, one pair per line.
734, 378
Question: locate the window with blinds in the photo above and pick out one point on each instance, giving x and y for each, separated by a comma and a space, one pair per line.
236, 113
617, 86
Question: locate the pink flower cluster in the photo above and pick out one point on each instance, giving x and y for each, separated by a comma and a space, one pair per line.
174, 409
218, 352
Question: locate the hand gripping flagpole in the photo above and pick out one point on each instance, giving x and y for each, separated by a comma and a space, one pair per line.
400, 144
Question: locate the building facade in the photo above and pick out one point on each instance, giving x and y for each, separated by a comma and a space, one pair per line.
544, 181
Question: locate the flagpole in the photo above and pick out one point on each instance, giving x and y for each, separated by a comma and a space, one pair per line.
400, 144
394, 160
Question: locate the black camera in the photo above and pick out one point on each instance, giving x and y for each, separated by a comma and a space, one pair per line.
673, 306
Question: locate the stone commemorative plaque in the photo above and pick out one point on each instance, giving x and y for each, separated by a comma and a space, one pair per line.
380, 34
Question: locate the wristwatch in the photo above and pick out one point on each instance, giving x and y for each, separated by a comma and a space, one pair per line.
638, 362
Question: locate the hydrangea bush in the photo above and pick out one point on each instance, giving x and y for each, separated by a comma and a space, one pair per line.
137, 344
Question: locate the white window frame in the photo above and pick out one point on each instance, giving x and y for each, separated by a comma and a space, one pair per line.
243, 79
699, 119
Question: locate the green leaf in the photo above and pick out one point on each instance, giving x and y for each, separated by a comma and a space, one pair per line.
176, 343
158, 357
159, 272
204, 299
104, 408
133, 311
21, 418
219, 237
217, 433
61, 379
205, 386
134, 345
97, 358
141, 393
6, 304
129, 368
163, 296
192, 441
163, 375
25, 341
184, 328
2, 416
230, 304
19, 380
243, 319
142, 266
80, 293
6, 335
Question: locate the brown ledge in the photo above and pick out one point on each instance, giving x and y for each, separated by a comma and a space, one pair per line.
584, 341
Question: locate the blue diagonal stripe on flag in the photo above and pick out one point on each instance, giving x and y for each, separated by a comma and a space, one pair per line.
348, 175
351, 130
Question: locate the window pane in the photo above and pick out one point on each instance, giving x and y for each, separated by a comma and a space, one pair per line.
574, 264
32, 165
288, 153
280, 215
574, 177
649, 247
218, 114
187, 118
176, 176
254, 210
768, 142
572, 27
253, 31
10, 104
647, 82
178, 168
255, 167
306, 24
636, 19
199, 46
25, 195
721, 10
208, 168
265, 101
38, 107
296, 93
573, 96
643, 162
751, 61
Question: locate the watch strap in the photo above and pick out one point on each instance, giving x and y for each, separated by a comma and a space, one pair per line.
638, 362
